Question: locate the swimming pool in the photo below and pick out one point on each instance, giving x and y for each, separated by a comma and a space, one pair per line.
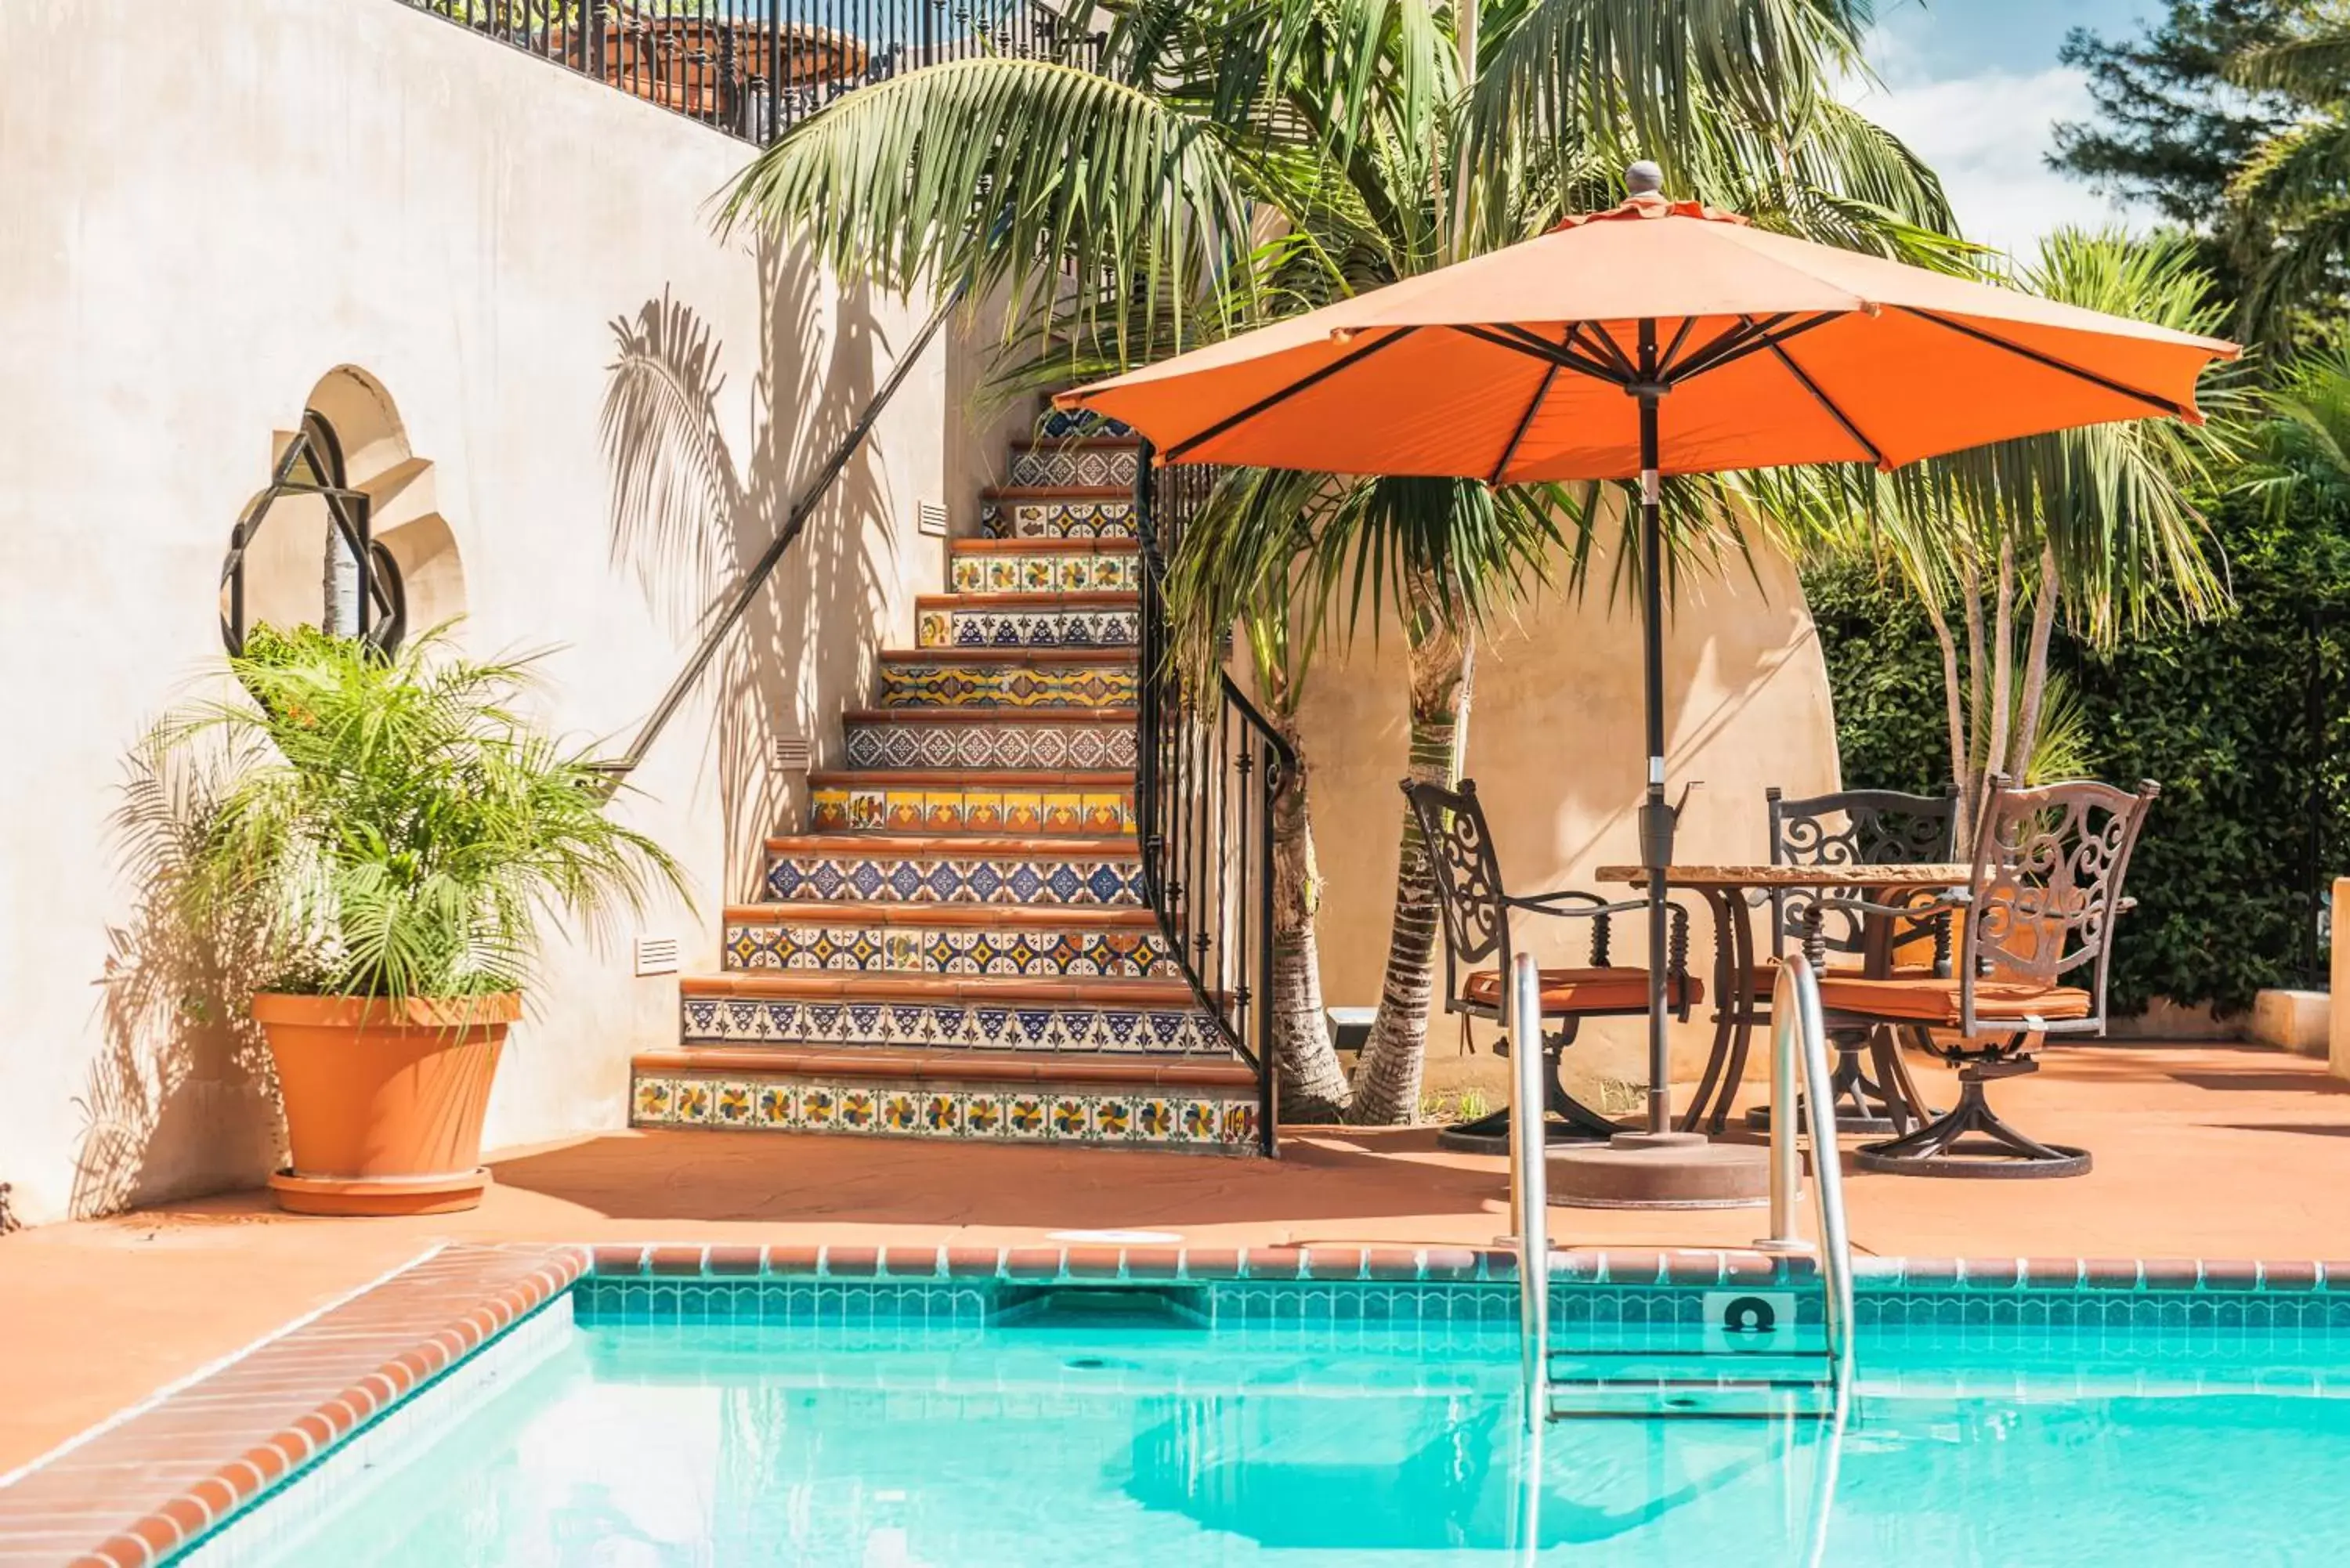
878, 1425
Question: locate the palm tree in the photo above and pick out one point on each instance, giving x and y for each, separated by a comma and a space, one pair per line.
1231, 161
2306, 440
2098, 521
2292, 194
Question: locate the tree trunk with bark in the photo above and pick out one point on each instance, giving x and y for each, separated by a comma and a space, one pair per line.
1439, 655
2035, 669
1313, 1088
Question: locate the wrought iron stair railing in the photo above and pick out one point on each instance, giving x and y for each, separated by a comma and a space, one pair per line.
1209, 766
755, 68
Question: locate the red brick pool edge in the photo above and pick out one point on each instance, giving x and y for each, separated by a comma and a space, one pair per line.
135, 1490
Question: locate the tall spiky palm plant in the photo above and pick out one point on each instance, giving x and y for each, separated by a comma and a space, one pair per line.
1231, 162
2099, 523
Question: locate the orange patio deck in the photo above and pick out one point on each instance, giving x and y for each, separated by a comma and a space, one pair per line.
2211, 1151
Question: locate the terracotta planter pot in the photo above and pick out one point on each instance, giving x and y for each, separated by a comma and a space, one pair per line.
384, 1105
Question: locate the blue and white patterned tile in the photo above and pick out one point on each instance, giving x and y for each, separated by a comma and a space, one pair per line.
1074, 464
1074, 1028
855, 877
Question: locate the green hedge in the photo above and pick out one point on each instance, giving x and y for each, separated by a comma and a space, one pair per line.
2242, 719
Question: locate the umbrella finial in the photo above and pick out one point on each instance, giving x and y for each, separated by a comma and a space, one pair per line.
1643, 179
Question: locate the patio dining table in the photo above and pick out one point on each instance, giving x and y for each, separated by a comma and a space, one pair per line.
1740, 1005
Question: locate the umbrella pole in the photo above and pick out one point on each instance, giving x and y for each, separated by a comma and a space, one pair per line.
1656, 816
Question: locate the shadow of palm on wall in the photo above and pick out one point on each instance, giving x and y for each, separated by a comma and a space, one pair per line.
689, 518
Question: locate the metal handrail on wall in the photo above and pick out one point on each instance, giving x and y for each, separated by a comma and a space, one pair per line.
755, 68
720, 620
1208, 767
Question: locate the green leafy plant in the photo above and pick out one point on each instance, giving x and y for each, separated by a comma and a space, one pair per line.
395, 827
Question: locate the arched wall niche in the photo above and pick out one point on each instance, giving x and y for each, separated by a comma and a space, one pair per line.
356, 438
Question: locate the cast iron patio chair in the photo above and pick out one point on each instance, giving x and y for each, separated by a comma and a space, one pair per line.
1853, 827
1477, 912
2035, 921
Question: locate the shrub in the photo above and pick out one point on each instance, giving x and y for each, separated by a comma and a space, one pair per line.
392, 827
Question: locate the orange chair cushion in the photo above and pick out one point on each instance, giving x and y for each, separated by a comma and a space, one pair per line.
1923, 999
1614, 990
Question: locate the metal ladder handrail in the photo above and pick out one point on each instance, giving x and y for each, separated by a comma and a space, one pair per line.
1530, 1184
1797, 1032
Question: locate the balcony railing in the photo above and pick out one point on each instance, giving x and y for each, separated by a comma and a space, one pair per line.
755, 68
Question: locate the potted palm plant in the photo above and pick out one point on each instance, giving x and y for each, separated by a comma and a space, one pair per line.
396, 830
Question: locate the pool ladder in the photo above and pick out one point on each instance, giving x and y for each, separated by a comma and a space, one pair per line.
1761, 1382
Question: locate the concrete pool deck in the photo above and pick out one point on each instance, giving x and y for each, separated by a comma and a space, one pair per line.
2203, 1151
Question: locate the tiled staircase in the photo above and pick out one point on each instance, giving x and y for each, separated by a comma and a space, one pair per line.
959, 946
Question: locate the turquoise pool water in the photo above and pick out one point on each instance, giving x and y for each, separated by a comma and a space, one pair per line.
1112, 1442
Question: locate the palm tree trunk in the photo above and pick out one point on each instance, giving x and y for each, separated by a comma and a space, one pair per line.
1441, 653
1970, 772
1953, 702
2002, 661
2035, 669
1313, 1088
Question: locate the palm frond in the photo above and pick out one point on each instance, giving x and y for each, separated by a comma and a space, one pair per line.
998, 174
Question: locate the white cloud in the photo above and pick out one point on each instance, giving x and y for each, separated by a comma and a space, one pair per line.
1989, 135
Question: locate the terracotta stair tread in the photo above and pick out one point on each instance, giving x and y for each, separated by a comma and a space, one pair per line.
1042, 917
1122, 653
1108, 598
956, 846
1200, 1068
880, 985
1116, 717
970, 778
1085, 544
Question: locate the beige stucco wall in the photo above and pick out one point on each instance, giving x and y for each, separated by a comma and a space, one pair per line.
1556, 746
206, 210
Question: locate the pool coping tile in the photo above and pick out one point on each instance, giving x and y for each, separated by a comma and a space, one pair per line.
229, 1438
243, 1428
1678, 1269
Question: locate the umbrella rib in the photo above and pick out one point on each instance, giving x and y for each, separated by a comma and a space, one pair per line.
1850, 428
1518, 341
1182, 449
1534, 405
2036, 356
1750, 337
1688, 324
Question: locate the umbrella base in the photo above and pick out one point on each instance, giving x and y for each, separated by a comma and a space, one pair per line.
1660, 1170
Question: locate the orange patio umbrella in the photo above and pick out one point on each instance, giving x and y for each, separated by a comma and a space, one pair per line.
1658, 338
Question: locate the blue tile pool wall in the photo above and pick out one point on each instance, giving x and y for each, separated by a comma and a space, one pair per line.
2166, 1324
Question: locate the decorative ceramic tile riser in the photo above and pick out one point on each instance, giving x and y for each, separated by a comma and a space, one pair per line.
891, 880
1066, 517
1076, 1027
1027, 628
1107, 572
946, 684
1081, 748
797, 1103
1064, 424
1041, 953
987, 811
1072, 466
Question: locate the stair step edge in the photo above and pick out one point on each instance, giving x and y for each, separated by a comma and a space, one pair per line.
956, 846
997, 1066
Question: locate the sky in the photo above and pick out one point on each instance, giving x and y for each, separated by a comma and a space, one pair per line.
1974, 87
